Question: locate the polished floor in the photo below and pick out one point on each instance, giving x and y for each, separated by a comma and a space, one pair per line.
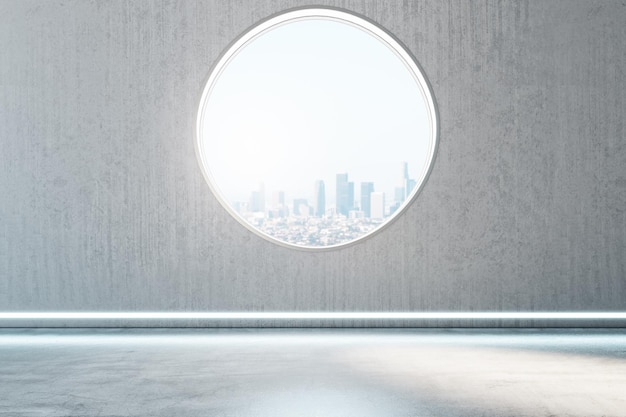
325, 373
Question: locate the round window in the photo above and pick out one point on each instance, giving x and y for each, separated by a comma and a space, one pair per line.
316, 128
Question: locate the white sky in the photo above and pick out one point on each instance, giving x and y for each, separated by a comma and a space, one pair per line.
308, 100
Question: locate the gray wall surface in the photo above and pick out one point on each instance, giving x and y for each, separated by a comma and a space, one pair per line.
103, 206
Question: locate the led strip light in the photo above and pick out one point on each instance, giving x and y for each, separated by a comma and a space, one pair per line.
312, 316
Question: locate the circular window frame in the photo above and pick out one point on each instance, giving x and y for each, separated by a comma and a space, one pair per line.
334, 14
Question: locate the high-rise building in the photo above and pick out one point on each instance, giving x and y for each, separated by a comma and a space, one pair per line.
345, 194
241, 207
300, 207
278, 199
409, 184
320, 199
367, 188
399, 194
350, 196
378, 205
405, 171
257, 199
278, 208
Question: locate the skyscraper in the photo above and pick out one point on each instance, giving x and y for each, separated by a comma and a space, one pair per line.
278, 199
345, 194
279, 209
407, 183
378, 205
405, 171
350, 196
399, 194
257, 199
366, 203
300, 207
320, 198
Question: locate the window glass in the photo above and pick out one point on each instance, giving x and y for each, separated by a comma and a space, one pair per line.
316, 128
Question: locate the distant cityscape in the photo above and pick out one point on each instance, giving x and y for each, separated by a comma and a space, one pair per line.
315, 223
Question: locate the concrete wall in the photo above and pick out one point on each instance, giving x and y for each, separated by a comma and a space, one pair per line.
103, 206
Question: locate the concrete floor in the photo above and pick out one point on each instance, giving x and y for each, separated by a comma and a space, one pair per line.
325, 373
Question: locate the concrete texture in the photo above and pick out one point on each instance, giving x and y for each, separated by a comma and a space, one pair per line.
341, 373
104, 207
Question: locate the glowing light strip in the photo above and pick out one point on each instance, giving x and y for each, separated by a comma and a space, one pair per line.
313, 316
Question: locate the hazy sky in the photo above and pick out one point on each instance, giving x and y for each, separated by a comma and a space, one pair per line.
310, 99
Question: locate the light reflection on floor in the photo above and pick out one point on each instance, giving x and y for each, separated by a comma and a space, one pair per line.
312, 372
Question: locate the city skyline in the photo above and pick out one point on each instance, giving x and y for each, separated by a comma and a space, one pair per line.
314, 203
304, 188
